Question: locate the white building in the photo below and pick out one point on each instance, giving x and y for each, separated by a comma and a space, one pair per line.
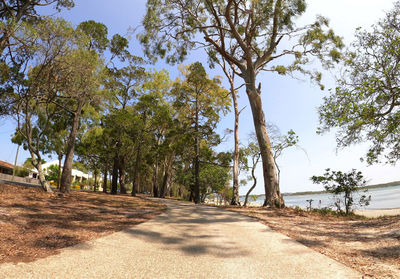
77, 175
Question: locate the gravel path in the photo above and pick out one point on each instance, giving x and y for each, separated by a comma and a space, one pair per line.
187, 241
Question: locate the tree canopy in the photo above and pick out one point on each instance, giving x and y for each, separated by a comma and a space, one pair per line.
246, 34
365, 106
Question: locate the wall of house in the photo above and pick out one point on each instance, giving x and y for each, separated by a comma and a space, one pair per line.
27, 180
5, 170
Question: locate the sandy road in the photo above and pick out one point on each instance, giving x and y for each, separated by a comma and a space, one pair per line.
187, 241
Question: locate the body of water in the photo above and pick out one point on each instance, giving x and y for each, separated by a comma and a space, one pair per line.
381, 198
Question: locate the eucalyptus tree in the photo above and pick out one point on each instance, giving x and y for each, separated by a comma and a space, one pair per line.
82, 91
122, 84
230, 71
214, 174
253, 152
279, 143
365, 106
155, 114
35, 86
55, 139
199, 101
121, 132
160, 127
90, 151
84, 81
260, 33
16, 17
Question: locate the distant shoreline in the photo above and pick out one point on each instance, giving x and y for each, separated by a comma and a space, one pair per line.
374, 186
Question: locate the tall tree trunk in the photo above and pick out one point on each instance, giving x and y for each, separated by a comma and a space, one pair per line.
136, 170
164, 184
95, 181
155, 179
114, 183
235, 190
273, 196
137, 163
230, 74
65, 186
105, 179
122, 176
197, 155
167, 173
59, 171
155, 171
191, 196
169, 183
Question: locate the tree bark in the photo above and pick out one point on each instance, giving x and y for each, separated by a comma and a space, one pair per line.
37, 163
136, 170
273, 196
164, 184
105, 179
167, 173
114, 183
122, 176
65, 186
253, 175
137, 163
155, 179
95, 181
235, 189
197, 155
59, 171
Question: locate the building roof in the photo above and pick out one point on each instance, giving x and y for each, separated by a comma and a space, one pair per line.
6, 165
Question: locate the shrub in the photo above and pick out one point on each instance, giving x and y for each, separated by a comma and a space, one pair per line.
21, 171
343, 185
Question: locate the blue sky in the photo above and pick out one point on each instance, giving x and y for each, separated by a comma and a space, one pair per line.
288, 103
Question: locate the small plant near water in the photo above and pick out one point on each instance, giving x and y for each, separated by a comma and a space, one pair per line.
343, 186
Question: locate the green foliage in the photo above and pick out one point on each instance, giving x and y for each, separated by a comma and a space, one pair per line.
208, 94
15, 50
13, 13
198, 102
343, 185
79, 166
233, 30
254, 197
21, 171
364, 106
325, 211
28, 163
52, 173
213, 179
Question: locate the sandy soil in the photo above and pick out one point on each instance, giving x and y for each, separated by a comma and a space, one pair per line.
371, 246
35, 224
375, 213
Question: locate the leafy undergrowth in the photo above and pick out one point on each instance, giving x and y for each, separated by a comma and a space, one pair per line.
35, 224
371, 246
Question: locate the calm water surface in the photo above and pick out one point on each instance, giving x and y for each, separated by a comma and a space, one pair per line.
381, 198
